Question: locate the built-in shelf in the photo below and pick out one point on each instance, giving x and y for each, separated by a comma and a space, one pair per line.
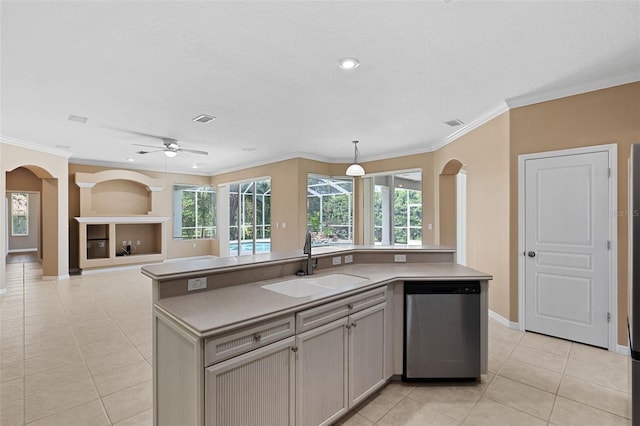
108, 241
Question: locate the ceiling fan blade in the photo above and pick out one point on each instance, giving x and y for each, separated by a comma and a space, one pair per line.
149, 152
194, 151
148, 146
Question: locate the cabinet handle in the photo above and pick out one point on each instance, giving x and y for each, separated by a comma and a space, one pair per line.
257, 337
350, 306
354, 324
294, 348
348, 326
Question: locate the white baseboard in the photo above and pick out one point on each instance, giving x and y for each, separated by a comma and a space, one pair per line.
502, 320
112, 269
624, 350
55, 277
180, 259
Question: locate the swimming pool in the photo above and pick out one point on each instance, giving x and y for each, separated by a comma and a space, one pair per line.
247, 247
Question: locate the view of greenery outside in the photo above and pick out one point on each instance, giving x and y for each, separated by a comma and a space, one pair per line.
407, 216
19, 214
197, 215
250, 215
330, 209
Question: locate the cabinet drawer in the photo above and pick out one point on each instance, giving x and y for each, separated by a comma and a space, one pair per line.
236, 342
323, 314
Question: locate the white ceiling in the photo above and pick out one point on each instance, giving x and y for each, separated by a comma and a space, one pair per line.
268, 71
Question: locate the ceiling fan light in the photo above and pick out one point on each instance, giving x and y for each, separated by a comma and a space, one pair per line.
348, 63
355, 170
170, 154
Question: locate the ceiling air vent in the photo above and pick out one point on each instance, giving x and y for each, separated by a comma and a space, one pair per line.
204, 118
454, 123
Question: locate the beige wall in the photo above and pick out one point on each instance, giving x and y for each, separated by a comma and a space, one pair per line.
595, 118
53, 170
484, 153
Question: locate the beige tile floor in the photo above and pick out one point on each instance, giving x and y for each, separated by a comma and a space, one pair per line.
78, 352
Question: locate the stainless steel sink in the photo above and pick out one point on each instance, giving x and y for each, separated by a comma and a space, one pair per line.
308, 286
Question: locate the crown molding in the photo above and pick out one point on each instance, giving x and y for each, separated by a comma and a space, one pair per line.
133, 166
487, 116
34, 146
550, 95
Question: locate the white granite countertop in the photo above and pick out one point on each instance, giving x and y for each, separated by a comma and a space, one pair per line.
210, 312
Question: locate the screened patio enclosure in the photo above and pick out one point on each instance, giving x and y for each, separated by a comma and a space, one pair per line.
330, 209
250, 217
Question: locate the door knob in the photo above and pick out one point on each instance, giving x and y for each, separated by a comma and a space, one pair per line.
531, 253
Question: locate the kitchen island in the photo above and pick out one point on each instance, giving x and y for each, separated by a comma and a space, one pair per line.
242, 339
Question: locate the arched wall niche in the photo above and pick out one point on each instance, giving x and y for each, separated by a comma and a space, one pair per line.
117, 193
447, 202
120, 197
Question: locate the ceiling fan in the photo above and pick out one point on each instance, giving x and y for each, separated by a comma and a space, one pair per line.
171, 148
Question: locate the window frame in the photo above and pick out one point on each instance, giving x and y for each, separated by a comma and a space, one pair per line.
200, 231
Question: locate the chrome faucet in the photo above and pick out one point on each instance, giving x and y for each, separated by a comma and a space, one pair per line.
307, 251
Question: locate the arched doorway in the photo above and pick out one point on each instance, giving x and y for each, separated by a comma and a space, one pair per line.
35, 179
452, 207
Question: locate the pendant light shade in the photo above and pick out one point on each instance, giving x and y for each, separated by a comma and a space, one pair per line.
355, 169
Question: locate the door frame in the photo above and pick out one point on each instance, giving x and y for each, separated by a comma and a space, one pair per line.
612, 150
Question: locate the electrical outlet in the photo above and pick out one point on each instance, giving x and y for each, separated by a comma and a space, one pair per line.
348, 258
399, 258
337, 260
124, 243
138, 242
196, 283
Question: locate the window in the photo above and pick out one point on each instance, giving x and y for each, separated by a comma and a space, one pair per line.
194, 212
19, 214
330, 209
397, 208
250, 217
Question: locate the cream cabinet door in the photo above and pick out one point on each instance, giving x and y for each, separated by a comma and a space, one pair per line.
256, 388
366, 352
321, 374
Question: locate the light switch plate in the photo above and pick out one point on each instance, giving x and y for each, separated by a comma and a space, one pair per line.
337, 260
197, 283
399, 258
348, 258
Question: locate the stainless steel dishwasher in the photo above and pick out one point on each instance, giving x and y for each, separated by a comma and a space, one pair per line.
441, 330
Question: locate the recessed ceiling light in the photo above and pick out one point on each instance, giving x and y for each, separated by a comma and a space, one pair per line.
129, 159
204, 118
194, 166
348, 63
78, 118
454, 122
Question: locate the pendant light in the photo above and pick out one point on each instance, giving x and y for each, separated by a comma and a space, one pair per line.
355, 169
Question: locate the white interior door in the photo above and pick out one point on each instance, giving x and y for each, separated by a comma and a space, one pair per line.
566, 244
